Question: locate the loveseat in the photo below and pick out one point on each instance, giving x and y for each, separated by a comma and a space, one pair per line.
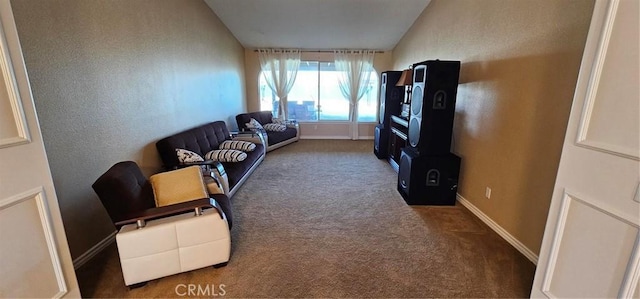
274, 139
208, 137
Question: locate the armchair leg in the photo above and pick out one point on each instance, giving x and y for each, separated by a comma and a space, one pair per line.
217, 266
137, 285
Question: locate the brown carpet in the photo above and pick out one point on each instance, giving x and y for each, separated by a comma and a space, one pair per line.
324, 219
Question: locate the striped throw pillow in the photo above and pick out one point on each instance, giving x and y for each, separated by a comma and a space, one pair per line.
280, 121
240, 145
275, 127
226, 155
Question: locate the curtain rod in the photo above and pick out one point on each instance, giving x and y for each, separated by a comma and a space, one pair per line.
327, 51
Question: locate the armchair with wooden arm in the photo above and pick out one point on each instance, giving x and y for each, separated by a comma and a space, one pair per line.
166, 225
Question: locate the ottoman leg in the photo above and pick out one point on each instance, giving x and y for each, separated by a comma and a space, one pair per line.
137, 285
220, 265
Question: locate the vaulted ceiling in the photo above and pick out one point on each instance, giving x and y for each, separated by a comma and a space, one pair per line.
318, 24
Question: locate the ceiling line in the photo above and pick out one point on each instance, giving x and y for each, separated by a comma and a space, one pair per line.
324, 51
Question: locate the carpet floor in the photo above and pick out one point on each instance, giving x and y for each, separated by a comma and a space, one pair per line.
322, 218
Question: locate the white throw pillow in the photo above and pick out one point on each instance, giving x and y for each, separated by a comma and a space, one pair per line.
254, 124
240, 145
188, 156
275, 127
226, 155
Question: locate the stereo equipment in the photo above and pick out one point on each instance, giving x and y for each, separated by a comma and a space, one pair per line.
433, 104
381, 141
428, 179
391, 96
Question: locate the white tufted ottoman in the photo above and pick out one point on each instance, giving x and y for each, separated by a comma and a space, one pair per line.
173, 245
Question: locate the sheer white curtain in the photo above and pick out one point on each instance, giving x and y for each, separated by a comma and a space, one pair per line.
280, 67
354, 67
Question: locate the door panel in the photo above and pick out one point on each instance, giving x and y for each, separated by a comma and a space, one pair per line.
612, 104
13, 125
34, 256
590, 246
24, 219
594, 230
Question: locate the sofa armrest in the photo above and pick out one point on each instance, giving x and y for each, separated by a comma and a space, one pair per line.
245, 133
220, 175
212, 164
292, 123
295, 125
199, 163
251, 136
170, 210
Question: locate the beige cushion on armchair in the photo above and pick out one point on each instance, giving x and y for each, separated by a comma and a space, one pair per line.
178, 186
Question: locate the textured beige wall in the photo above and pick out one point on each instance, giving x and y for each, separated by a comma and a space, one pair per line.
520, 62
110, 78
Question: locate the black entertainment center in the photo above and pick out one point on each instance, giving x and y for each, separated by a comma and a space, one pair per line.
417, 144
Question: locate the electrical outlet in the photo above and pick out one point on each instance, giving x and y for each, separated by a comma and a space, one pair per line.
487, 193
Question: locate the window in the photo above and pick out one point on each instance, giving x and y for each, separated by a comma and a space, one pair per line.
316, 95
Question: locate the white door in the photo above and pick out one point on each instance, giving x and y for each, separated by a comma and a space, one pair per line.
590, 247
34, 255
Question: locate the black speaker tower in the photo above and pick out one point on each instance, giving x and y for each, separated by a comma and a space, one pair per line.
391, 97
428, 171
433, 105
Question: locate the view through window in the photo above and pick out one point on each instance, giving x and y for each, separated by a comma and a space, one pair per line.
316, 96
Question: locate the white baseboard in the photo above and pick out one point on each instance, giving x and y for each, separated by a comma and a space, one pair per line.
325, 137
89, 254
499, 230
